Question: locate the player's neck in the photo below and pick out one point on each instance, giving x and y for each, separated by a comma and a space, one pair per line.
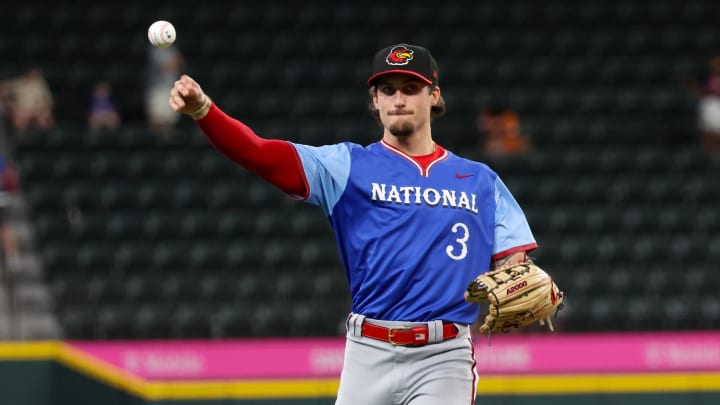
413, 145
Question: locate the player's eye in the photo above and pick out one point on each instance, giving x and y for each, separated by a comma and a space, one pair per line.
408, 89
388, 90
411, 89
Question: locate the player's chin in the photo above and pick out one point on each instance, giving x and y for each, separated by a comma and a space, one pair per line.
401, 128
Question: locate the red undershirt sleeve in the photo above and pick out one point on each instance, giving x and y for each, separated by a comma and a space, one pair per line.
524, 248
274, 160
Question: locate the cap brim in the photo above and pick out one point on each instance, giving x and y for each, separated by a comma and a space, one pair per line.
405, 72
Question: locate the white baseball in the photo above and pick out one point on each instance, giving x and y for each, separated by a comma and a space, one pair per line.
161, 34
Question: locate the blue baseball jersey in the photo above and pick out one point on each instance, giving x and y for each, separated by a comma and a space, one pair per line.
411, 239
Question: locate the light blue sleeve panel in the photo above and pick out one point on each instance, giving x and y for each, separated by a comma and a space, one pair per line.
327, 169
511, 227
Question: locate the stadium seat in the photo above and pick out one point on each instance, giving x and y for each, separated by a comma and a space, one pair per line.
331, 284
181, 287
133, 258
115, 321
152, 321
320, 252
143, 289
233, 320
608, 312
281, 253
710, 312
272, 319
33, 298
644, 313
190, 321
311, 318
244, 254
218, 286
171, 256
207, 254
77, 321
94, 258
678, 312
37, 326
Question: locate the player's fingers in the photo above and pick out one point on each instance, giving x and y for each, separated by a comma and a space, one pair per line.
176, 102
189, 89
186, 96
186, 79
175, 94
181, 89
178, 93
173, 104
188, 83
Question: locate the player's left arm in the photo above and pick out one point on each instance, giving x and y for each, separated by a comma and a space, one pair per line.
510, 263
513, 237
509, 260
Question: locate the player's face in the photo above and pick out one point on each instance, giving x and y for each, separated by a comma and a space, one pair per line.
404, 103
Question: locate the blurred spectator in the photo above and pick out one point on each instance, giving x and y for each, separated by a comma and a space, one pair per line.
102, 113
9, 185
501, 132
29, 101
163, 69
707, 89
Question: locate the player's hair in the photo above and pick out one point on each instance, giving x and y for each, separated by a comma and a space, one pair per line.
435, 111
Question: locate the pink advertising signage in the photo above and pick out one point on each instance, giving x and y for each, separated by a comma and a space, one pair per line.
508, 354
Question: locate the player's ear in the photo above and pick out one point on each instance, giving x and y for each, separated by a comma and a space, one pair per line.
372, 92
435, 93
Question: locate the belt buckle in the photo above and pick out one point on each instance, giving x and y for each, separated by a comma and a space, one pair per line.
390, 336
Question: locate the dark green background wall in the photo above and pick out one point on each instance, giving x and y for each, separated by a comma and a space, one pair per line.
49, 383
26, 382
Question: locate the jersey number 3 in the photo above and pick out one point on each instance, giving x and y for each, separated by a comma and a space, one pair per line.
464, 234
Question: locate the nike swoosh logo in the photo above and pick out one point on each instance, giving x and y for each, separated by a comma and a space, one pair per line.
463, 176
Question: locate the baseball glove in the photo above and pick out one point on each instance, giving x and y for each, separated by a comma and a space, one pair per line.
519, 295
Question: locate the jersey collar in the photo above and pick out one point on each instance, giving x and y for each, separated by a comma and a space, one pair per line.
423, 165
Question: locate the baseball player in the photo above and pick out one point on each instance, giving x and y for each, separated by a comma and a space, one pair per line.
414, 223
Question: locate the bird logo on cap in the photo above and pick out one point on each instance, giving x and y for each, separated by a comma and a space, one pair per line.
399, 55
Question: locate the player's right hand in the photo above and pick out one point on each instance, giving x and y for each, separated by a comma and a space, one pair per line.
187, 97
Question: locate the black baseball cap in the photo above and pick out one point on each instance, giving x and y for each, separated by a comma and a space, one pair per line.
408, 59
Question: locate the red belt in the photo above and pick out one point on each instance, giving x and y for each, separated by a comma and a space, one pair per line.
406, 336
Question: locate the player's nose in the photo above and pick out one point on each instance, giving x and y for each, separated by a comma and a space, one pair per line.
398, 99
